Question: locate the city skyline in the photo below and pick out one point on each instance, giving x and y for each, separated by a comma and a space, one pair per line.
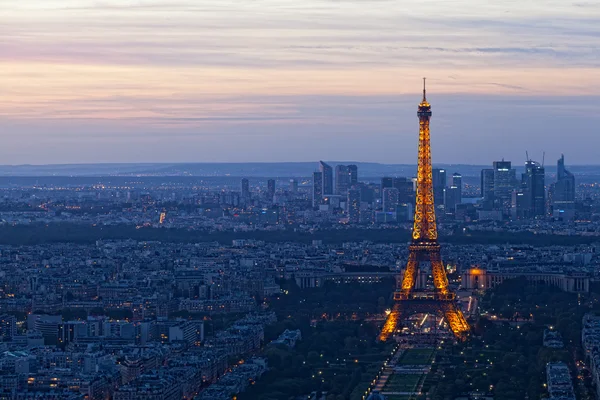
277, 81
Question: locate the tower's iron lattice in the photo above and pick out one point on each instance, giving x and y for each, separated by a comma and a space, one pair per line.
425, 247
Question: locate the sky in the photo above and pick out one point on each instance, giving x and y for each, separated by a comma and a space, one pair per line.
87, 81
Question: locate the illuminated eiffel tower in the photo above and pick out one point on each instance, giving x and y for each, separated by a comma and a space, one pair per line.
425, 248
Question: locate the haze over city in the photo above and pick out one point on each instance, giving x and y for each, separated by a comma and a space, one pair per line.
204, 81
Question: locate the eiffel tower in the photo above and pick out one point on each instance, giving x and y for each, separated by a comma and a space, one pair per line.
425, 248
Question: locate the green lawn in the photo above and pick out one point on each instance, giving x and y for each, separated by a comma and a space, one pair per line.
416, 357
402, 383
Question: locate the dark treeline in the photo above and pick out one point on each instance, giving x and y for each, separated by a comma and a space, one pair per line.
84, 233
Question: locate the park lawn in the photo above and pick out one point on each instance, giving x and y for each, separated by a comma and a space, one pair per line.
416, 357
402, 383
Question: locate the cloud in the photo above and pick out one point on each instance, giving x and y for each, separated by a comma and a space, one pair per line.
291, 73
282, 34
504, 85
586, 4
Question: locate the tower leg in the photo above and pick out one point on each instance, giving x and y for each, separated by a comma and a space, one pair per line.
410, 274
391, 323
440, 279
456, 320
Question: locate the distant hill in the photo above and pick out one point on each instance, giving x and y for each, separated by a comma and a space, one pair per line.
241, 169
293, 169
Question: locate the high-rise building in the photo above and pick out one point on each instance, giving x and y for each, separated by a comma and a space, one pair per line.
386, 182
368, 192
519, 208
342, 179
245, 188
533, 183
563, 193
452, 197
404, 212
404, 185
487, 184
457, 181
453, 194
293, 186
353, 171
390, 199
439, 181
317, 192
505, 179
346, 176
353, 206
327, 178
270, 189
405, 190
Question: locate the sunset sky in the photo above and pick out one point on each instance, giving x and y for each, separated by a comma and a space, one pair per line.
301, 80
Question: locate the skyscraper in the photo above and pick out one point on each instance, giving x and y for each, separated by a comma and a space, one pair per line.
390, 199
293, 186
533, 183
404, 185
353, 206
245, 188
563, 195
317, 192
520, 206
327, 178
270, 189
353, 171
487, 184
386, 182
327, 173
505, 179
346, 176
342, 179
457, 182
439, 180
453, 194
405, 190
452, 197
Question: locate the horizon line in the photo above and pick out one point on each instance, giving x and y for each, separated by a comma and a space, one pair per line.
260, 162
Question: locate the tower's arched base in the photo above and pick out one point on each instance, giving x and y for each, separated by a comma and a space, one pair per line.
446, 308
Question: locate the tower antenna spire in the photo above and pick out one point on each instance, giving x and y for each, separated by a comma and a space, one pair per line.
424, 91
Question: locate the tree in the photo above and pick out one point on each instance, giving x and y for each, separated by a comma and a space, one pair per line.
313, 357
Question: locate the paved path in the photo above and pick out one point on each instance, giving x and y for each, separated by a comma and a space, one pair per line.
392, 368
401, 393
388, 370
